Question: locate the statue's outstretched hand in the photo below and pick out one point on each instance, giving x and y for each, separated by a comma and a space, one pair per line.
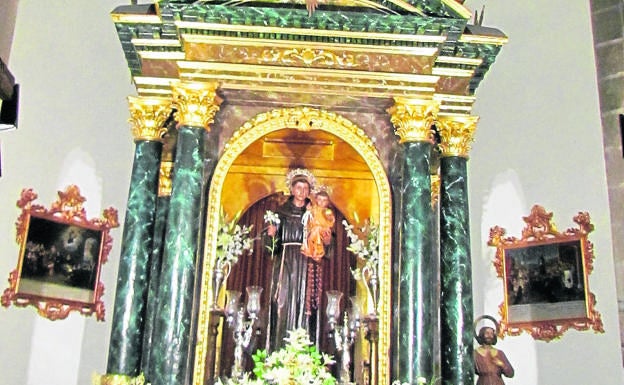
311, 6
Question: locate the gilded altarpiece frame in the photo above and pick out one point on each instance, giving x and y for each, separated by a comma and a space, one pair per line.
545, 277
302, 119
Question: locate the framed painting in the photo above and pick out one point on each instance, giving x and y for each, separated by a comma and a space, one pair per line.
545, 277
60, 258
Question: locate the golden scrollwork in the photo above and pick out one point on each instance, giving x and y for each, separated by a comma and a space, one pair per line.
117, 379
300, 118
66, 227
545, 277
308, 57
456, 133
148, 116
197, 103
164, 179
413, 119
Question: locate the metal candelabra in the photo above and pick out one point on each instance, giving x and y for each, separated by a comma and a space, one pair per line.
242, 329
345, 334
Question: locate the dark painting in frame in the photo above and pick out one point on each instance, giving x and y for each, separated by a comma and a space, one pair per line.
60, 258
546, 277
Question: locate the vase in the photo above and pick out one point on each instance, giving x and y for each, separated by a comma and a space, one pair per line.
220, 274
371, 281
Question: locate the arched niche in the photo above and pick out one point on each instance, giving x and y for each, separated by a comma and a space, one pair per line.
269, 179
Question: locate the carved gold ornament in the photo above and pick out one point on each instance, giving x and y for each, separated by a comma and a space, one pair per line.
413, 119
148, 116
165, 183
60, 244
196, 103
546, 277
456, 133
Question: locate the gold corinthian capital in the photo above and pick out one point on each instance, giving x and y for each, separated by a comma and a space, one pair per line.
456, 134
197, 103
148, 116
413, 119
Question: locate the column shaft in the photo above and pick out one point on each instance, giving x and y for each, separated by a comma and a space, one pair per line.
456, 310
413, 354
456, 313
154, 282
127, 327
170, 345
415, 344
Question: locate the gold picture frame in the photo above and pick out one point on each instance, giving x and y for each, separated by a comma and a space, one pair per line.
545, 277
60, 258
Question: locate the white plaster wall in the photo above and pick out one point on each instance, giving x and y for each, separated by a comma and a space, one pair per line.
72, 130
539, 141
8, 10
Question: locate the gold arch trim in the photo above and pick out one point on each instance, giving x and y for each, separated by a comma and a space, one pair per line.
300, 118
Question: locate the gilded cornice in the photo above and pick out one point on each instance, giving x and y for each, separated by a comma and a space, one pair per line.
196, 103
148, 116
296, 79
456, 133
413, 119
164, 179
484, 39
135, 19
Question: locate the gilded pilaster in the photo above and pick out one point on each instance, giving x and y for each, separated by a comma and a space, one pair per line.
164, 179
412, 327
456, 308
147, 117
196, 104
435, 189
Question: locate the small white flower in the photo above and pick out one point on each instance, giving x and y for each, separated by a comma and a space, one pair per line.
271, 217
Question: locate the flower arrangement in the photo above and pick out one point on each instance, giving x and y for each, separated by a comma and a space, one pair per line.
297, 363
273, 220
364, 243
233, 240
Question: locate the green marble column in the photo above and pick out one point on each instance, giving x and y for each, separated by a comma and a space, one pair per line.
124, 356
414, 340
196, 106
162, 209
456, 311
